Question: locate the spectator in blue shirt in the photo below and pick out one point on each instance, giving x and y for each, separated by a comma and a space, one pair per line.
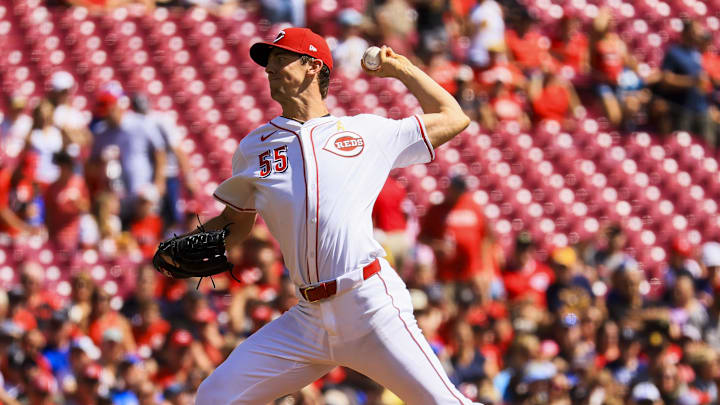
685, 86
140, 146
177, 168
57, 351
571, 289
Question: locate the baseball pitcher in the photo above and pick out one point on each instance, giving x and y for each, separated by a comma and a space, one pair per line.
314, 179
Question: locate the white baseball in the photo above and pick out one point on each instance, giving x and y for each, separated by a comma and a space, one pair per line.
371, 58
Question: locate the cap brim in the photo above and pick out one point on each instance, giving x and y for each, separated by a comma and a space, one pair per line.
260, 52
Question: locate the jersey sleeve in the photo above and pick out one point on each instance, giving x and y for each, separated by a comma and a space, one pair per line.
406, 143
238, 191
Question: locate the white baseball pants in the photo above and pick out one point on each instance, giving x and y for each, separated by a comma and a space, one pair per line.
370, 329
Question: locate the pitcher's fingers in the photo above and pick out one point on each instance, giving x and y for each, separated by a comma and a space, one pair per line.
383, 54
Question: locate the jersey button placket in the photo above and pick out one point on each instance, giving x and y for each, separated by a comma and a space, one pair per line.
312, 198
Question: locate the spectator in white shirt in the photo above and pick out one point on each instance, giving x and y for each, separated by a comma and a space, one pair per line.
72, 122
487, 32
15, 127
350, 48
45, 140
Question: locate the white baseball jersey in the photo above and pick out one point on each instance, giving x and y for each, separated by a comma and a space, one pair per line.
315, 185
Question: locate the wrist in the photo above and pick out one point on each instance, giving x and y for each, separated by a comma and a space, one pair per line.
405, 71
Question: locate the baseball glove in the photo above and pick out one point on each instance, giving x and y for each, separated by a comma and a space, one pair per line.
201, 254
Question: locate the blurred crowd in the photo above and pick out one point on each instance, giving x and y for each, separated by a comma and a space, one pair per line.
584, 325
111, 181
503, 65
577, 325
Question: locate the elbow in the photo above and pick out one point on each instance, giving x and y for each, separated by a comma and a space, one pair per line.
462, 121
456, 119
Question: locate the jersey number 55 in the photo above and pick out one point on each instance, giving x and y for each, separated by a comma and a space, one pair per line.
273, 161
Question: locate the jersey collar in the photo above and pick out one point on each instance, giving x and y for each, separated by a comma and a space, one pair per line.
293, 125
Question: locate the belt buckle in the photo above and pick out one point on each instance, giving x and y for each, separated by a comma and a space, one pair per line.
311, 288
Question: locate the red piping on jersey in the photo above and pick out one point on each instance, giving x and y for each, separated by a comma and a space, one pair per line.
302, 154
392, 301
236, 208
317, 203
425, 139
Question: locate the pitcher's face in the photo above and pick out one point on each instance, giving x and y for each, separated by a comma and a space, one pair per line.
286, 73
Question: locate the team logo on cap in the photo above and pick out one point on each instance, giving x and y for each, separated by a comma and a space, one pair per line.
312, 48
279, 36
345, 144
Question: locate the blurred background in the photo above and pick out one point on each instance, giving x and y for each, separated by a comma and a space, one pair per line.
561, 250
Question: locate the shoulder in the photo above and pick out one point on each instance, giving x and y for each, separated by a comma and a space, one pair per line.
362, 117
251, 140
368, 120
379, 126
252, 137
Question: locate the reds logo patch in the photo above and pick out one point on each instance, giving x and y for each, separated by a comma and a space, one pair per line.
345, 144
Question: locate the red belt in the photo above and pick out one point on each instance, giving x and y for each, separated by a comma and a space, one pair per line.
327, 289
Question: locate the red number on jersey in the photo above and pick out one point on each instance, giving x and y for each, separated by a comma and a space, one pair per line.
281, 163
265, 167
278, 164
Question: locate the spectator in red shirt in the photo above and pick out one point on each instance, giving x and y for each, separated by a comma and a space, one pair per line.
528, 47
711, 60
500, 69
103, 317
711, 65
525, 277
443, 70
42, 389
65, 200
175, 359
147, 226
390, 220
150, 329
260, 266
614, 70
457, 231
553, 98
13, 208
609, 54
39, 299
505, 105
571, 48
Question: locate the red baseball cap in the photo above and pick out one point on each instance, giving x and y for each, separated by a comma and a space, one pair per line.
298, 40
682, 246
